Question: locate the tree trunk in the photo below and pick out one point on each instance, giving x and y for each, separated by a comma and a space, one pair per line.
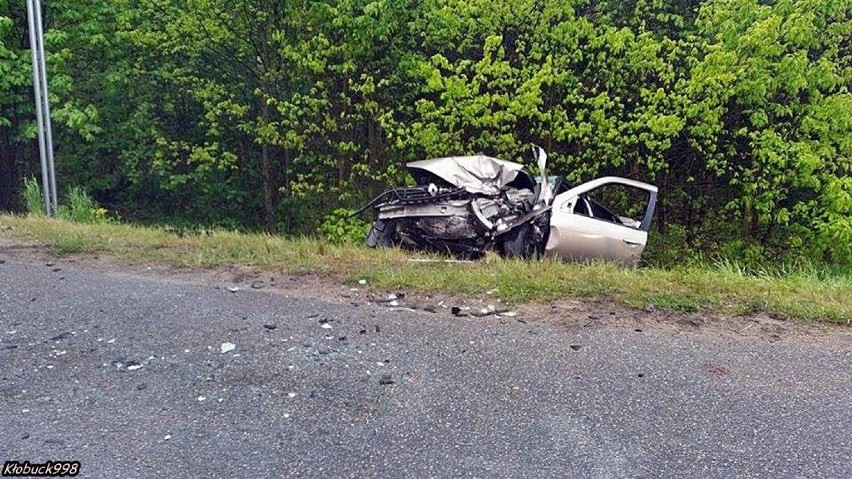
8, 171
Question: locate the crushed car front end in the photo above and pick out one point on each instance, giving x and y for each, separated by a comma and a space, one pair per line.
461, 205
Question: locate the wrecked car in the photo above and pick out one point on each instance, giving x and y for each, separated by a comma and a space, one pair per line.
465, 205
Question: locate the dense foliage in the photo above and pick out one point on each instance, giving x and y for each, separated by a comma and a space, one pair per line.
274, 113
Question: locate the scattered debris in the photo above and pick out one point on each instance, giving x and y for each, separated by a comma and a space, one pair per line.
60, 337
227, 347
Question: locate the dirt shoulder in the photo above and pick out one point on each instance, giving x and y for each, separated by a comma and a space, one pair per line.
569, 315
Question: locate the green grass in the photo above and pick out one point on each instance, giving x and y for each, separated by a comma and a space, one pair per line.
807, 292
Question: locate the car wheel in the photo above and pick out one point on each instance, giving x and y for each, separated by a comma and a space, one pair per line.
382, 234
519, 243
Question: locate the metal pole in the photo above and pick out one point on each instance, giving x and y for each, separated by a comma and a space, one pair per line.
39, 112
51, 168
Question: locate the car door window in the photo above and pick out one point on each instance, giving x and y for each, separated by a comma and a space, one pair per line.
581, 207
620, 204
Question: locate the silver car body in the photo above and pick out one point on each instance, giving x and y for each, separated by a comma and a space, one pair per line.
466, 204
577, 235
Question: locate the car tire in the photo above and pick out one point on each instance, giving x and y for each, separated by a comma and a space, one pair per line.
382, 234
519, 243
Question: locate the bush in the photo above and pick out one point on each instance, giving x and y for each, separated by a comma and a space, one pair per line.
340, 226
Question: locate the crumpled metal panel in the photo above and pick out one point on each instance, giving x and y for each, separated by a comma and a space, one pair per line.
476, 174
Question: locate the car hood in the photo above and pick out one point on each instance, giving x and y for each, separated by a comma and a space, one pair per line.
476, 174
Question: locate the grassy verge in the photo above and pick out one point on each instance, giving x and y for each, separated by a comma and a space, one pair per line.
807, 294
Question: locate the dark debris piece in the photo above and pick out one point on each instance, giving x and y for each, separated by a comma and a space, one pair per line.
60, 337
386, 380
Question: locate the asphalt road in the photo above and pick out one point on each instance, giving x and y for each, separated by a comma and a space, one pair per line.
126, 374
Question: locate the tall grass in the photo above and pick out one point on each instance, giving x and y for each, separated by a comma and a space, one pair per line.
33, 197
79, 206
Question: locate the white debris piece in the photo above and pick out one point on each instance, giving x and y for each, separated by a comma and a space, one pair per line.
227, 347
362, 281
134, 367
394, 303
234, 289
509, 314
201, 398
326, 326
167, 437
291, 395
